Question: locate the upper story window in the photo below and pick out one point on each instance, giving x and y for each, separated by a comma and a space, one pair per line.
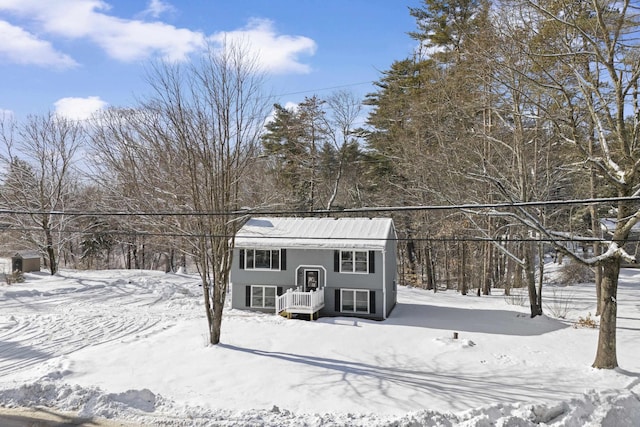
354, 261
262, 259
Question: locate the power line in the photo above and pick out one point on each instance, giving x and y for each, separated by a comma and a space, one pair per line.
500, 239
329, 212
325, 88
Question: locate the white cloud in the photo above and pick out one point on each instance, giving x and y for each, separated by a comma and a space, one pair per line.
276, 53
20, 47
122, 39
136, 39
6, 114
155, 8
79, 108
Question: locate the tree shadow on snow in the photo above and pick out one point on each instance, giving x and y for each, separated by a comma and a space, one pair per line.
502, 322
15, 356
404, 386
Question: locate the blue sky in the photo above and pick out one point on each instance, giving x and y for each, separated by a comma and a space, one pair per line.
76, 56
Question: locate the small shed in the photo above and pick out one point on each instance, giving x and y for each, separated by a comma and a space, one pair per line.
25, 261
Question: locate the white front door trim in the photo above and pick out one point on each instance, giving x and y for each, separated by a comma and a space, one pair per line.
322, 279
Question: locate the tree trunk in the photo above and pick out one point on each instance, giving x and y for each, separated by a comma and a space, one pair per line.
411, 257
428, 264
463, 270
168, 262
214, 338
203, 266
597, 250
540, 274
136, 261
216, 325
218, 305
128, 260
53, 266
598, 280
487, 269
336, 186
606, 356
447, 267
529, 272
508, 276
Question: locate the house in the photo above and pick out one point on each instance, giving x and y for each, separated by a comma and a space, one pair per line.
316, 266
632, 247
608, 226
25, 261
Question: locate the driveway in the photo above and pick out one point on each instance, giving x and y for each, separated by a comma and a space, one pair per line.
44, 417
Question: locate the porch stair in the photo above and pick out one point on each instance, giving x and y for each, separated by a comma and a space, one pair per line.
311, 316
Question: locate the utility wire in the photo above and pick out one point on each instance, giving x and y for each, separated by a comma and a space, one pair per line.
500, 239
471, 206
325, 88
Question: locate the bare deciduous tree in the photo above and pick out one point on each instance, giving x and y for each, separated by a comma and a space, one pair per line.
39, 179
189, 147
588, 65
345, 110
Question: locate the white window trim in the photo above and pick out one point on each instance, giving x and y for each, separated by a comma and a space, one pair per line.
250, 268
353, 268
342, 310
263, 298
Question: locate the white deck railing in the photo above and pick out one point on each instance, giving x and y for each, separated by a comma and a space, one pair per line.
300, 302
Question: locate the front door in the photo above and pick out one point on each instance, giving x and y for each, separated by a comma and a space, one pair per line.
311, 280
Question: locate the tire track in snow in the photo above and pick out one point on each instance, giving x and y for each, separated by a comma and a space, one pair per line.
36, 339
36, 326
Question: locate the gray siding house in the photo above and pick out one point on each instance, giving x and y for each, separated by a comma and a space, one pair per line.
316, 266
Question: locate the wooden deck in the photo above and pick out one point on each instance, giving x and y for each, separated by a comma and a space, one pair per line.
296, 302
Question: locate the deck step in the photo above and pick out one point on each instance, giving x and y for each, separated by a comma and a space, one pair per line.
306, 316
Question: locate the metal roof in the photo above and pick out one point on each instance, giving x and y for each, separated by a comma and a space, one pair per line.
330, 233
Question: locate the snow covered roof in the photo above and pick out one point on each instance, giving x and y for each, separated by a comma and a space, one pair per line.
331, 233
608, 225
27, 254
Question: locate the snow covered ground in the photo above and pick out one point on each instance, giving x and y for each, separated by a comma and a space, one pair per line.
131, 345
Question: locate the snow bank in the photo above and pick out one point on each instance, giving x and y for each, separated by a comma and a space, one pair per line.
613, 408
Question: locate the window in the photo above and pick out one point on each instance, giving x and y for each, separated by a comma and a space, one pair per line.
354, 261
263, 296
262, 259
354, 301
